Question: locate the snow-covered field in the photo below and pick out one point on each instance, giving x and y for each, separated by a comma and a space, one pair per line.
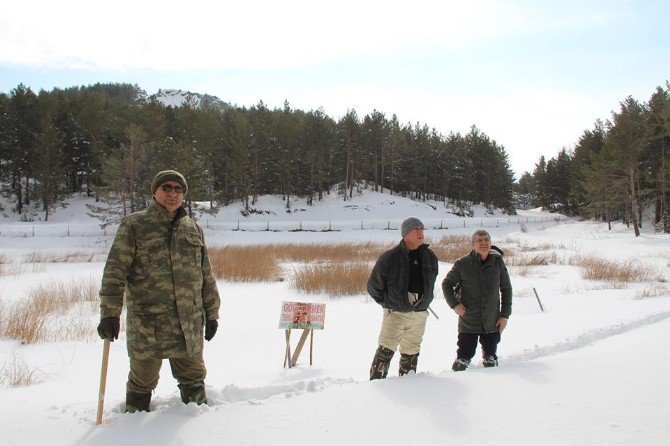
591, 369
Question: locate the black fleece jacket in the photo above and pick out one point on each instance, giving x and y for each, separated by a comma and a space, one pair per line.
389, 280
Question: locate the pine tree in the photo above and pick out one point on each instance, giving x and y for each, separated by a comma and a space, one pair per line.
126, 178
49, 157
24, 127
627, 137
658, 125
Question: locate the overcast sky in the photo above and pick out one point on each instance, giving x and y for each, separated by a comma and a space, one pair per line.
533, 75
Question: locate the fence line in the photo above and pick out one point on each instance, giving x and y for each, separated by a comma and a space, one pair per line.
93, 230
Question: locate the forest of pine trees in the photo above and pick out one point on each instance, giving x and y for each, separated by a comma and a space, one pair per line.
615, 171
108, 140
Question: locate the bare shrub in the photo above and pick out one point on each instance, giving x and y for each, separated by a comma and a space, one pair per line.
594, 268
340, 279
245, 263
53, 312
4, 259
17, 373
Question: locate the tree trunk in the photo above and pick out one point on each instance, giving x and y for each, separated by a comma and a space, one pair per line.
346, 175
392, 169
376, 172
382, 168
635, 206
19, 196
664, 200
27, 194
351, 180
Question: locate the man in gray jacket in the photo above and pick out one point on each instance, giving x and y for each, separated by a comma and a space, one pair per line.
402, 282
485, 301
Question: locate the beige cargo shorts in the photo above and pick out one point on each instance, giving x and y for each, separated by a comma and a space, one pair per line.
403, 328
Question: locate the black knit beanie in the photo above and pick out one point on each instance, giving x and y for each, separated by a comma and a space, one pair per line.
168, 175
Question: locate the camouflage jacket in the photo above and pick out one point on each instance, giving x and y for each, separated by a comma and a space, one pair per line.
170, 290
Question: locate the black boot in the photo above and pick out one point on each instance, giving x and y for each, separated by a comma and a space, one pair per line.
193, 393
460, 364
408, 363
137, 402
380, 363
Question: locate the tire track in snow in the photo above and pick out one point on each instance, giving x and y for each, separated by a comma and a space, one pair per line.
253, 395
586, 339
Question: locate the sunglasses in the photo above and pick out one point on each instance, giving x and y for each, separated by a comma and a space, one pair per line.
169, 188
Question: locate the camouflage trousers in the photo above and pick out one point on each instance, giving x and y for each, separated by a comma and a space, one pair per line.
189, 371
403, 328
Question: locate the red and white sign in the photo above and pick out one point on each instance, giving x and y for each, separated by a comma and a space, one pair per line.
302, 315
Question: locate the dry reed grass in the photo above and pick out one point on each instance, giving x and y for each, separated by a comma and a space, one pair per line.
653, 291
17, 373
67, 257
244, 263
53, 312
451, 248
594, 268
17, 269
341, 279
334, 253
262, 263
524, 271
540, 259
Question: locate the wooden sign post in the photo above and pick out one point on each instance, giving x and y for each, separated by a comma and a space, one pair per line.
305, 316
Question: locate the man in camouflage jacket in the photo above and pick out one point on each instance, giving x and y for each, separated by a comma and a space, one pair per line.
159, 259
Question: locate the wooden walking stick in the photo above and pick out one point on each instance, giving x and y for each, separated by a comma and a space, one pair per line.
103, 381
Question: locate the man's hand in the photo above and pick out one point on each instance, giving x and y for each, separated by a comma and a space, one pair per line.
210, 329
109, 327
502, 323
460, 310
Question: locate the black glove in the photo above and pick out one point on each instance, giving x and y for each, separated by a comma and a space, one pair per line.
210, 329
109, 327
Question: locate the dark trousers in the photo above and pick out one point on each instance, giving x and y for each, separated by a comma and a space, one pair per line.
467, 344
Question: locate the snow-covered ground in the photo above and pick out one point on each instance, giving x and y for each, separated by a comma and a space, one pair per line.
591, 369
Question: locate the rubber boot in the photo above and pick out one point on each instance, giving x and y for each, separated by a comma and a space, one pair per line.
193, 393
137, 402
490, 361
408, 363
380, 363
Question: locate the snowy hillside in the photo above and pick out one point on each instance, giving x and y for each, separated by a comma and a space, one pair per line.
367, 209
589, 369
179, 98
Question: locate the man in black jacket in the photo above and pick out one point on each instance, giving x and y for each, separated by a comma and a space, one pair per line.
402, 282
485, 301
